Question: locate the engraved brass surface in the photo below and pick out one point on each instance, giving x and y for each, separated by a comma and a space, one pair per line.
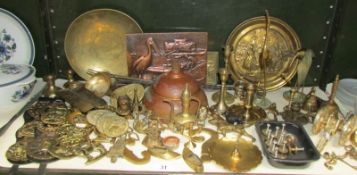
247, 40
236, 156
96, 40
128, 90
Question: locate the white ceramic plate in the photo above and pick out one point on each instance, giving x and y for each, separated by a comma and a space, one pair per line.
16, 43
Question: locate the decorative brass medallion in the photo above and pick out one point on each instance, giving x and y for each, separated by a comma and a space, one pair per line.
247, 42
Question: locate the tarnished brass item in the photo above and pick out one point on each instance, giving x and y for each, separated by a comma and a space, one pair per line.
112, 125
81, 99
128, 90
96, 40
353, 138
228, 98
185, 116
51, 88
99, 83
17, 153
299, 97
236, 155
311, 104
332, 158
348, 128
329, 110
292, 113
221, 105
212, 68
247, 41
38, 149
71, 83
247, 114
124, 107
117, 149
163, 153
54, 116
192, 160
131, 157
153, 132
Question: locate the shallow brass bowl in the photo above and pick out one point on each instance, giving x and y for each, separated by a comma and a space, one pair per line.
247, 41
96, 40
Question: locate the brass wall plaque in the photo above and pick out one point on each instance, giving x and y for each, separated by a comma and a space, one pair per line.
247, 42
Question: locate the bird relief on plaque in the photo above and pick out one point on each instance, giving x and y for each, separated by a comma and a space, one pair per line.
151, 54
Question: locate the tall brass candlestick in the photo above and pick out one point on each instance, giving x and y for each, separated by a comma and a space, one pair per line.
221, 105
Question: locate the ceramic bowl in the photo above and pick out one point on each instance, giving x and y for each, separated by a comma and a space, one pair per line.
16, 83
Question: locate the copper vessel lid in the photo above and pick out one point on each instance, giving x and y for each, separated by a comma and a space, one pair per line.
171, 84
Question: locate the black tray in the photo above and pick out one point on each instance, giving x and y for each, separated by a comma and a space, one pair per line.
303, 140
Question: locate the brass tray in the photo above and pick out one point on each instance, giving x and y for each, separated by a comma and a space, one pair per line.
247, 41
96, 40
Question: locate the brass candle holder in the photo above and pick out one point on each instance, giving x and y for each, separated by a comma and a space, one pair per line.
221, 105
228, 97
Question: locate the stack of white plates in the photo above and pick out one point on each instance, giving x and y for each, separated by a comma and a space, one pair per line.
17, 53
347, 92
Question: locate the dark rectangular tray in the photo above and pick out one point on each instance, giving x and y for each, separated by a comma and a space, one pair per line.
303, 140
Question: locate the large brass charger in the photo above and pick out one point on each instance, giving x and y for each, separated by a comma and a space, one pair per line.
247, 42
96, 40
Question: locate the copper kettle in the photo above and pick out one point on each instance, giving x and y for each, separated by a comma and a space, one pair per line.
169, 87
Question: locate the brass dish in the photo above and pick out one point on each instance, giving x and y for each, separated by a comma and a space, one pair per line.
236, 156
247, 40
96, 40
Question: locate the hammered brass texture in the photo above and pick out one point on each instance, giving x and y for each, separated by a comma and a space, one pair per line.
96, 40
247, 41
236, 156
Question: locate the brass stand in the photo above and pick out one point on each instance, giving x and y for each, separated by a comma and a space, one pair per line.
228, 98
221, 105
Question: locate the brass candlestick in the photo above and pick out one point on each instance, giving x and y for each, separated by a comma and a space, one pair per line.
71, 83
228, 97
246, 114
221, 105
50, 91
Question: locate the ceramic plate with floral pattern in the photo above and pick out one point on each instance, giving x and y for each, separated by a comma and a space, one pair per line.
16, 43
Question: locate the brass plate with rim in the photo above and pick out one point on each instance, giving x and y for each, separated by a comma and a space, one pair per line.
97, 40
247, 41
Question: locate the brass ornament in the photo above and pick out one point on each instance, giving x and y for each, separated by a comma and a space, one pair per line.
17, 153
347, 130
192, 160
236, 155
327, 112
185, 117
131, 157
128, 90
221, 105
54, 116
71, 83
163, 153
96, 40
99, 83
247, 41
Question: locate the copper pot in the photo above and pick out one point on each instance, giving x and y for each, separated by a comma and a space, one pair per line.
169, 87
